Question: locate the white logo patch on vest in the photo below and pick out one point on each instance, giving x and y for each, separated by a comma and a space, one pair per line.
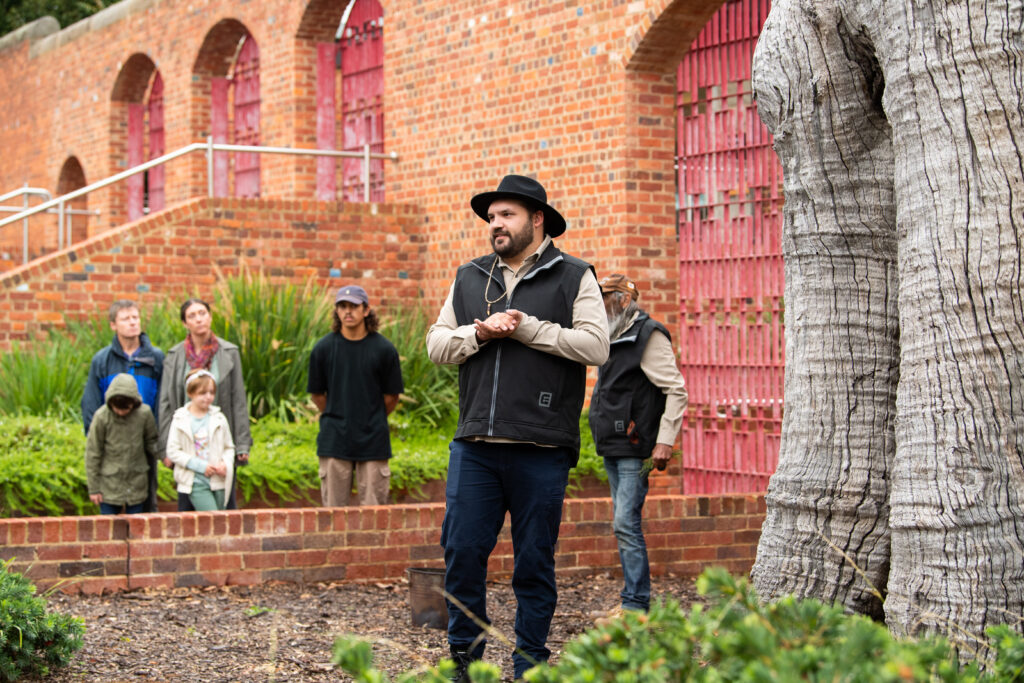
545, 399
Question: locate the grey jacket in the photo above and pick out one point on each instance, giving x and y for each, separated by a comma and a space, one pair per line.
231, 396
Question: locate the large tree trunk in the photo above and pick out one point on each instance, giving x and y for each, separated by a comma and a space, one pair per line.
897, 125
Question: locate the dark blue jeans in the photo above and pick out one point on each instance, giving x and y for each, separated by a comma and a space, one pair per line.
629, 490
108, 509
486, 480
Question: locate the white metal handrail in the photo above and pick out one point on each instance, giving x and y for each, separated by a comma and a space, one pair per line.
24, 192
209, 147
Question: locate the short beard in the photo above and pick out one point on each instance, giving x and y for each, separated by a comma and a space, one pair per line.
619, 322
517, 243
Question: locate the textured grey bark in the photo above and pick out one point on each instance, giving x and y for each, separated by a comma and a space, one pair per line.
899, 128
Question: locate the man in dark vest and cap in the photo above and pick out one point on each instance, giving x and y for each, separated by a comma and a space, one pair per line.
522, 323
636, 411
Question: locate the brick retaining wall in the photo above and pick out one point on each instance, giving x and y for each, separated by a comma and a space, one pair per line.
97, 554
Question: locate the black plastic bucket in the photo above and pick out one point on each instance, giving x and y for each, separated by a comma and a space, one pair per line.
426, 598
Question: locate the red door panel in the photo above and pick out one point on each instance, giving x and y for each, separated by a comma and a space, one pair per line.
246, 84
362, 85
326, 126
219, 133
156, 174
134, 184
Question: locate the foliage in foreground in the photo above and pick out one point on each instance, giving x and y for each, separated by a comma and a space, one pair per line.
32, 641
734, 638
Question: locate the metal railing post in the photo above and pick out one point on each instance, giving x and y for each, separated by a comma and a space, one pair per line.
366, 173
209, 166
24, 230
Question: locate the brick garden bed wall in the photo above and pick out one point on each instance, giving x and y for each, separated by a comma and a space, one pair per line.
685, 534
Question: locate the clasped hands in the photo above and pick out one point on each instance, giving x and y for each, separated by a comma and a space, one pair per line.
497, 325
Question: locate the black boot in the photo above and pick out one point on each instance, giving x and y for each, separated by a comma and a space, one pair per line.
462, 659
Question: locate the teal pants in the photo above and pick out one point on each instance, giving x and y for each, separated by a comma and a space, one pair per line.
203, 498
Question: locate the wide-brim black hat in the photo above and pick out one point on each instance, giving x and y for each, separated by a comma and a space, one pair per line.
521, 187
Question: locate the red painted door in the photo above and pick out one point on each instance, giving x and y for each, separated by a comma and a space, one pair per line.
219, 133
246, 83
135, 183
326, 127
362, 102
155, 176
730, 261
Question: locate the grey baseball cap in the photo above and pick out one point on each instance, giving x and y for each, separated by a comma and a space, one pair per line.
354, 294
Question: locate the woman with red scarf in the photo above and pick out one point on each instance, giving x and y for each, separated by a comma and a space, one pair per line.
202, 349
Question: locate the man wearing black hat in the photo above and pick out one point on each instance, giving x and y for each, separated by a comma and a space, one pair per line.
355, 378
522, 323
635, 415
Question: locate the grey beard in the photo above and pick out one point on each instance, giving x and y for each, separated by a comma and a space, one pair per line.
620, 322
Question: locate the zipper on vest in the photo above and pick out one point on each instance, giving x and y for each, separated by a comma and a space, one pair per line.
494, 393
497, 357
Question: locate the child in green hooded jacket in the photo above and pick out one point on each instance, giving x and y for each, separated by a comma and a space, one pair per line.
121, 449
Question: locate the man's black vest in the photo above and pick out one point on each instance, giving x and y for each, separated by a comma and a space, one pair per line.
626, 407
507, 389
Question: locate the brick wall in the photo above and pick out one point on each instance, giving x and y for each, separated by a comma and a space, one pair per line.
579, 94
684, 534
177, 252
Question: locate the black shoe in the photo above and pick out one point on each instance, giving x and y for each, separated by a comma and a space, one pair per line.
462, 659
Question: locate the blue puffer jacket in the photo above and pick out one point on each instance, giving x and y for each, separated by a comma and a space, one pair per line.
146, 365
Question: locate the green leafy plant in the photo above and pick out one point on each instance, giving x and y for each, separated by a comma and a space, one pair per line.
736, 637
33, 641
275, 326
257, 610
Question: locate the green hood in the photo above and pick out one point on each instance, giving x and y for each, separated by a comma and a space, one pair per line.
123, 384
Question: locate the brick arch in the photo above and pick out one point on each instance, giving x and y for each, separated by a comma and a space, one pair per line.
211, 71
133, 79
339, 112
320, 20
217, 53
72, 177
656, 42
664, 33
129, 138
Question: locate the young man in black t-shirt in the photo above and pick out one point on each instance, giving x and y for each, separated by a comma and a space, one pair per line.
355, 379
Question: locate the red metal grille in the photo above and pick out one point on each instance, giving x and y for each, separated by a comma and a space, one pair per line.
730, 261
362, 88
246, 82
155, 176
135, 183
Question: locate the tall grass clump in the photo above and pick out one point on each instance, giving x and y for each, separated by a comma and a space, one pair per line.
275, 327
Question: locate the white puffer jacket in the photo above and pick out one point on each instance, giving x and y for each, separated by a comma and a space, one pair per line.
181, 448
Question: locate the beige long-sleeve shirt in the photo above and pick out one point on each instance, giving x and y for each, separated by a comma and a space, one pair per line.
658, 362
586, 342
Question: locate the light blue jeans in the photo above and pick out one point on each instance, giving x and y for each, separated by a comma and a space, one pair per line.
629, 490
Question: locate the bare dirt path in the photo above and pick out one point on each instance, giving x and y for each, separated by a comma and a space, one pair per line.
284, 632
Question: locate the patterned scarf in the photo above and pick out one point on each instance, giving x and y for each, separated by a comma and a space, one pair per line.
202, 357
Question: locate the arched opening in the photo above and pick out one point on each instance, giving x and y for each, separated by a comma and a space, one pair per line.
76, 221
347, 41
137, 135
226, 79
728, 205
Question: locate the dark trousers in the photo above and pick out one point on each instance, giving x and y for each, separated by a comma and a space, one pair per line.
486, 480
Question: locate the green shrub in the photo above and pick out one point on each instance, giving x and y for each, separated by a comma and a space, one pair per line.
736, 638
32, 640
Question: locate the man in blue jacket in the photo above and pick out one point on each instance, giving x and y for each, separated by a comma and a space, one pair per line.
130, 351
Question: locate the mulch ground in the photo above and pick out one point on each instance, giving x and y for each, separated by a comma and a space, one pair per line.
284, 632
